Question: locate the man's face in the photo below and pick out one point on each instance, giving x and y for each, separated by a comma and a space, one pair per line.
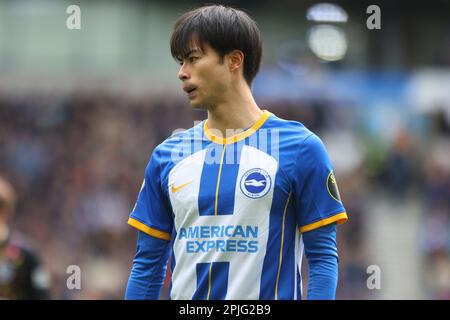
204, 77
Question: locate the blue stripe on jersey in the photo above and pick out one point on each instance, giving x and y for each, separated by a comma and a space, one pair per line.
285, 289
270, 266
286, 282
228, 167
299, 284
201, 293
208, 180
219, 280
228, 179
212, 281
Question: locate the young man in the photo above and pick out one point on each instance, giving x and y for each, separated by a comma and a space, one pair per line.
234, 210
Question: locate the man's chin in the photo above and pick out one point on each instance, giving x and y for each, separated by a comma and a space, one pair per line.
197, 105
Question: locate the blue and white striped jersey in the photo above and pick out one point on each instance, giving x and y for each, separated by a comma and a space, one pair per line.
235, 208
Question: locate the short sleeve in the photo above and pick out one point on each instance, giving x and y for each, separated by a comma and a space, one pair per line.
316, 193
152, 213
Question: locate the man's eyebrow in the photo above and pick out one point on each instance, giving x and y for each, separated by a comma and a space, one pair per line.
191, 51
194, 50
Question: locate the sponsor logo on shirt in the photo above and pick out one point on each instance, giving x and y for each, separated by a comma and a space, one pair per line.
220, 238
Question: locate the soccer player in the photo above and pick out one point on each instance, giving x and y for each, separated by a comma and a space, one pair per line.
234, 210
21, 274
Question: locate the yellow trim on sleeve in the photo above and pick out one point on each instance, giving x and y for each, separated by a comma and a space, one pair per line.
150, 231
338, 218
239, 136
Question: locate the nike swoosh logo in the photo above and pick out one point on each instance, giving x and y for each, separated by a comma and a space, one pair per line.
176, 189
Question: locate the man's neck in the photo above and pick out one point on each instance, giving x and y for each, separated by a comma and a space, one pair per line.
239, 112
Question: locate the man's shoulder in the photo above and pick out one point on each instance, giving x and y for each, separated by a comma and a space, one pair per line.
296, 142
290, 130
180, 142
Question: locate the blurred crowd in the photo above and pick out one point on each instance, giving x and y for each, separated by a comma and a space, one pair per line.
77, 161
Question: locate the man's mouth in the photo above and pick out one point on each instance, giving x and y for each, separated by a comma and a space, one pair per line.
190, 90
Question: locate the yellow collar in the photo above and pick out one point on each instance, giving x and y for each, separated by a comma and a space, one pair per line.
239, 136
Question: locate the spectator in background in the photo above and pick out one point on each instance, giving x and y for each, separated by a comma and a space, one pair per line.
21, 276
399, 174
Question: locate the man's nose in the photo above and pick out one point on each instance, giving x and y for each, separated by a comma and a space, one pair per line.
183, 74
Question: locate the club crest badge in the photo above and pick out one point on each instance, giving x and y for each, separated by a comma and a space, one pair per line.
255, 183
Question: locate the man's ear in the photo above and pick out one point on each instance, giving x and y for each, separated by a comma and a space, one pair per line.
235, 60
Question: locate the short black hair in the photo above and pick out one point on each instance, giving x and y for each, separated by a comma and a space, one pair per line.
224, 29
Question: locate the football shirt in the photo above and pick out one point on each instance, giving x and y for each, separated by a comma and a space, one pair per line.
235, 208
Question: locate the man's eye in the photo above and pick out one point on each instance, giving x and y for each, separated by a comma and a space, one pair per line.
192, 59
